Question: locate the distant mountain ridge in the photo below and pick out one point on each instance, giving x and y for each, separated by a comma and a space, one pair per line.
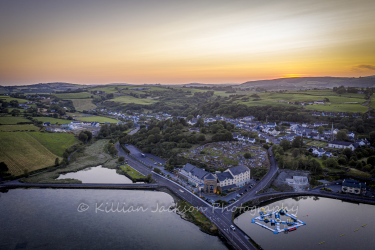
291, 84
301, 83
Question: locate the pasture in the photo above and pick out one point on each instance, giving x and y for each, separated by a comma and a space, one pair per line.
79, 95
83, 104
99, 119
52, 120
4, 120
8, 99
55, 142
131, 99
23, 127
23, 153
348, 102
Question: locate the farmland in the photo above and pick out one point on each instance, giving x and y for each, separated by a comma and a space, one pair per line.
83, 104
55, 142
347, 102
131, 99
79, 95
93, 155
23, 153
13, 128
52, 120
99, 119
8, 99
13, 120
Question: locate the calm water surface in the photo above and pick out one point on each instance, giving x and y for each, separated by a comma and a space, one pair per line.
97, 175
326, 220
77, 219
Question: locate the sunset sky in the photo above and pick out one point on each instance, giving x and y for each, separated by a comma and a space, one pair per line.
173, 41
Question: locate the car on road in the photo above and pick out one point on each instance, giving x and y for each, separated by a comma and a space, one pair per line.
238, 195
232, 227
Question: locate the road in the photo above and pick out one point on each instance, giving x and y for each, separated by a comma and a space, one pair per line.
221, 219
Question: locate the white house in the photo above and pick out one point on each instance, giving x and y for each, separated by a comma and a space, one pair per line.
241, 175
342, 145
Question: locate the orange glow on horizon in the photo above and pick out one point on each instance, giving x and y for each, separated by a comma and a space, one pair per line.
179, 42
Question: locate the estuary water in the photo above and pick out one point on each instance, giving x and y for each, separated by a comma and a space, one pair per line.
332, 223
97, 175
95, 219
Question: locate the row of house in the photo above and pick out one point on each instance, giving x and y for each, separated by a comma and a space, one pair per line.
220, 181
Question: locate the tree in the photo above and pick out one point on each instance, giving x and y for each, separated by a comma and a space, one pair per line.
285, 144
348, 152
297, 142
331, 163
200, 123
121, 159
342, 160
201, 138
83, 137
3, 167
295, 152
342, 135
111, 149
57, 162
371, 160
157, 170
321, 130
189, 117
15, 112
247, 155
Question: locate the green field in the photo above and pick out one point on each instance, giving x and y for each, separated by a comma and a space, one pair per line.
337, 103
83, 104
52, 120
80, 95
23, 153
133, 173
8, 99
353, 108
12, 120
55, 142
131, 99
23, 127
99, 119
359, 173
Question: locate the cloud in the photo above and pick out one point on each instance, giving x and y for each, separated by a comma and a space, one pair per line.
363, 67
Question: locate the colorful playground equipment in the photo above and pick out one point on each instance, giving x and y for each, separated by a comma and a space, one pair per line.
291, 224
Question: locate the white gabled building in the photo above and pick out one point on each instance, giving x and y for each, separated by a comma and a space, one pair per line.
241, 175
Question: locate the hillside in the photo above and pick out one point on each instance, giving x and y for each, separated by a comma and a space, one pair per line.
302, 83
41, 88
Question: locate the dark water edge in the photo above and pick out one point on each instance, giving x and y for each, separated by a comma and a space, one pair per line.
48, 218
331, 221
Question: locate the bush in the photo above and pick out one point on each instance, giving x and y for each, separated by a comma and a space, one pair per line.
157, 170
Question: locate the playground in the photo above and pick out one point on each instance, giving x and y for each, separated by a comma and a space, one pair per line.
275, 219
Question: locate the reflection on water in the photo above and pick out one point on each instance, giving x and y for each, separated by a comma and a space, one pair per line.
83, 219
326, 220
97, 175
